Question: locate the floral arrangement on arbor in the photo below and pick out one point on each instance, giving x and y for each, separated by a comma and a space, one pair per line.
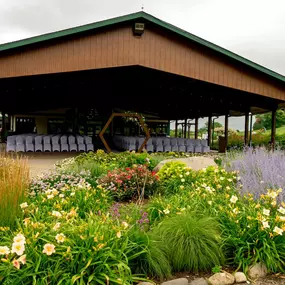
128, 118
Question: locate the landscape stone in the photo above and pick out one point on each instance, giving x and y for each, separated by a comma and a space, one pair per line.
240, 277
223, 278
258, 270
179, 281
195, 162
146, 283
199, 281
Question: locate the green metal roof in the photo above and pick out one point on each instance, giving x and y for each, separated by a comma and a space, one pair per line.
152, 19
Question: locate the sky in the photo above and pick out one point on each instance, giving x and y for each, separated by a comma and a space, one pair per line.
254, 29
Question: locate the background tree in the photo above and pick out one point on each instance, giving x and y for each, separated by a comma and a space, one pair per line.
265, 120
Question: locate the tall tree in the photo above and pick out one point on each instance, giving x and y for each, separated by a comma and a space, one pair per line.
265, 120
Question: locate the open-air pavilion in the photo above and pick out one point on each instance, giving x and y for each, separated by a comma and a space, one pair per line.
136, 63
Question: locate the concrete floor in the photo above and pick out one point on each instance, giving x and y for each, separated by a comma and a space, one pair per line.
42, 162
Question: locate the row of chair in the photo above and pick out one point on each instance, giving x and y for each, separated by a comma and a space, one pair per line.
161, 144
48, 143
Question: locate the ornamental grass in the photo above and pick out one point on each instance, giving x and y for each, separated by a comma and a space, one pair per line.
14, 182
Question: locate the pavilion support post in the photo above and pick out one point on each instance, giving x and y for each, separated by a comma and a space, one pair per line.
3, 132
250, 130
196, 128
209, 130
226, 131
246, 129
176, 128
185, 128
273, 129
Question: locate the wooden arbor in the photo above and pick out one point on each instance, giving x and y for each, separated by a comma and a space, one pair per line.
133, 115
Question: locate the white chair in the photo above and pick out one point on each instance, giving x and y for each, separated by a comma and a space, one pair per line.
139, 142
158, 144
11, 144
88, 143
131, 144
197, 146
173, 143
47, 143
38, 143
20, 143
205, 147
181, 145
80, 143
55, 143
166, 145
29, 142
63, 144
72, 144
189, 145
149, 145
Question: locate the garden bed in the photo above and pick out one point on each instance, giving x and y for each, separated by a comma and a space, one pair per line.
88, 222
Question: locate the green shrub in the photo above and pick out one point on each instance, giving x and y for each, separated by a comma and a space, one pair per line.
193, 243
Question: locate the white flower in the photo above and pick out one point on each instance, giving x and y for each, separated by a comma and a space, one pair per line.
61, 195
72, 193
236, 211
49, 249
18, 248
278, 231
282, 218
50, 196
210, 202
22, 259
125, 225
24, 205
266, 212
233, 199
230, 180
265, 224
19, 238
182, 180
181, 187
60, 238
54, 192
281, 210
166, 211
187, 173
4, 250
222, 178
56, 227
56, 214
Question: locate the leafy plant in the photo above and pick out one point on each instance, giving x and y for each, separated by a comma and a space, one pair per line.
136, 182
192, 242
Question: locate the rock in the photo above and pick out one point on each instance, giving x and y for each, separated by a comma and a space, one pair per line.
258, 270
146, 283
223, 278
240, 277
179, 281
199, 281
195, 162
